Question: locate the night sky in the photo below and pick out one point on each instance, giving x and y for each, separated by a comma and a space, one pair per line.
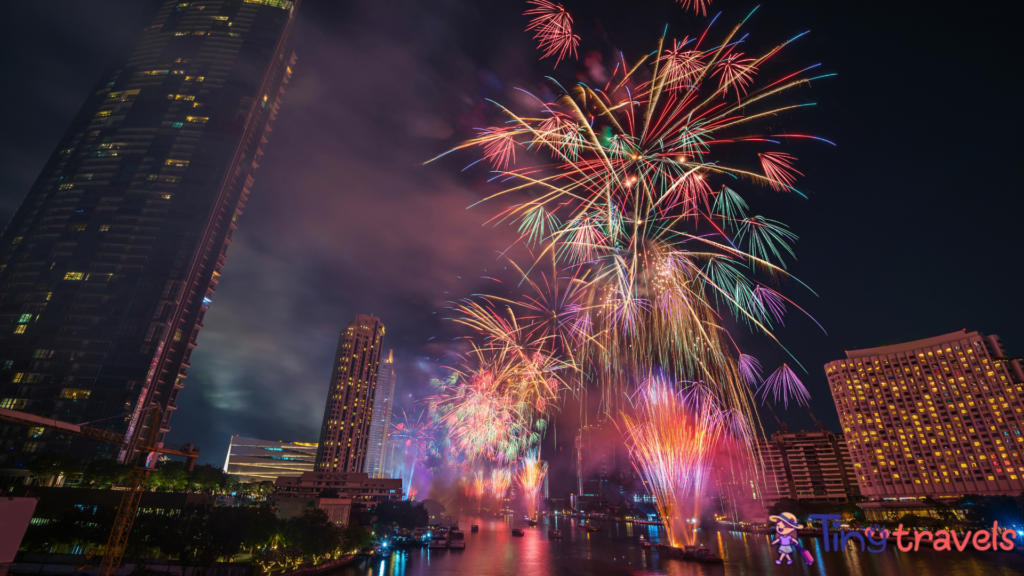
910, 230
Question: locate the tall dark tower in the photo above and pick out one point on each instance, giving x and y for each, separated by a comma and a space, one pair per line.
345, 432
112, 260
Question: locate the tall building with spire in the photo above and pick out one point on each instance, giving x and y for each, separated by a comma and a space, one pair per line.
111, 262
345, 432
383, 401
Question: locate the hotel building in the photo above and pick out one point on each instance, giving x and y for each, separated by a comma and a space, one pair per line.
939, 417
808, 466
345, 431
355, 485
255, 460
383, 401
111, 262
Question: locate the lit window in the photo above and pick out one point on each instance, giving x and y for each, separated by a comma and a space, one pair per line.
103, 113
19, 329
75, 394
177, 163
66, 186
75, 276
36, 431
17, 240
197, 119
77, 228
13, 403
105, 228
24, 318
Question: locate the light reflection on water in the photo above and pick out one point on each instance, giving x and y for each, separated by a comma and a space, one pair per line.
614, 551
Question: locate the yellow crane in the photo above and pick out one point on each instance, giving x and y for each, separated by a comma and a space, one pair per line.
136, 483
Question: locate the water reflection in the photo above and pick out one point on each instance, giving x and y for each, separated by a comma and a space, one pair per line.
614, 551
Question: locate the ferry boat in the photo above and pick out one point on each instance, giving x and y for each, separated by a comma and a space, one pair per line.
518, 532
439, 541
458, 541
644, 542
592, 528
531, 522
554, 534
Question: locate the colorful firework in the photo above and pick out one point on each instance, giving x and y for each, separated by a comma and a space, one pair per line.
501, 481
552, 27
531, 480
672, 439
636, 211
784, 385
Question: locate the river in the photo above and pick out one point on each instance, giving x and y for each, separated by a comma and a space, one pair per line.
493, 551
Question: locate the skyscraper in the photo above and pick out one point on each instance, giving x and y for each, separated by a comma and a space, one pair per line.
809, 466
253, 460
112, 260
382, 403
936, 417
345, 432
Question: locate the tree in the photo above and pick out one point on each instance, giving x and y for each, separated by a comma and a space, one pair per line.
314, 533
206, 478
170, 477
356, 537
104, 474
52, 464
404, 514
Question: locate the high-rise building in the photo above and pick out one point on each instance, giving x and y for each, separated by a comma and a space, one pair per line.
395, 449
255, 460
809, 466
382, 403
345, 432
112, 260
937, 417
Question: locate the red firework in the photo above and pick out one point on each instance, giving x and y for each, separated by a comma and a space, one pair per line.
553, 29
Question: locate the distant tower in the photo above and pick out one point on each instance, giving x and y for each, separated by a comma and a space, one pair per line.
345, 432
385, 397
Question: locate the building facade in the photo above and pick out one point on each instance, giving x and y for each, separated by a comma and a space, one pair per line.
255, 460
345, 431
810, 466
383, 401
938, 417
113, 258
355, 485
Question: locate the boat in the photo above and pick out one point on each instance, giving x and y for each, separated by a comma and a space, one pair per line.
531, 522
518, 532
692, 553
475, 528
554, 534
381, 551
592, 528
458, 541
644, 543
439, 542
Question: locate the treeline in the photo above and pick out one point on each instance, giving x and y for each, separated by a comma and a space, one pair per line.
202, 535
170, 476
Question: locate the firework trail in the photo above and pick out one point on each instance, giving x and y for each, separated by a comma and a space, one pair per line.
699, 6
416, 436
552, 27
784, 385
531, 479
639, 210
478, 487
673, 438
501, 481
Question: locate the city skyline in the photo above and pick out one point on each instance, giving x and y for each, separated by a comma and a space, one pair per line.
303, 342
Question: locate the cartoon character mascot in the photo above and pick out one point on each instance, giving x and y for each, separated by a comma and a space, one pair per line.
786, 538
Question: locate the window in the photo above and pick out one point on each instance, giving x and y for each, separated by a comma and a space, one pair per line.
197, 119
75, 276
77, 228
31, 446
13, 403
24, 318
36, 431
19, 329
17, 240
66, 186
75, 394
105, 228
177, 163
42, 354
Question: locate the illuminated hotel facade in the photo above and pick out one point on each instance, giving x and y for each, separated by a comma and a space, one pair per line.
384, 399
345, 431
253, 460
111, 262
938, 417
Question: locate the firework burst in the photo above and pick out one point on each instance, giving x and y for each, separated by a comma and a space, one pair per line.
531, 480
552, 28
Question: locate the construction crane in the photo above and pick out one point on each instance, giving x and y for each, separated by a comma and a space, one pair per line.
136, 483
